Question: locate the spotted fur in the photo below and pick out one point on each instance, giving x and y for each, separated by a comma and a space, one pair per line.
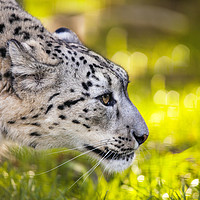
52, 89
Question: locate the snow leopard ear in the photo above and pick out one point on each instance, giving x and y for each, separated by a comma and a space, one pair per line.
19, 52
28, 74
67, 35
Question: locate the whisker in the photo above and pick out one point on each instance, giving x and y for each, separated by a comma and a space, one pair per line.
95, 166
106, 141
89, 171
146, 150
66, 162
107, 166
81, 177
143, 151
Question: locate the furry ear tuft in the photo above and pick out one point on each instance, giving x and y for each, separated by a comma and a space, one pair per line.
28, 74
16, 51
22, 61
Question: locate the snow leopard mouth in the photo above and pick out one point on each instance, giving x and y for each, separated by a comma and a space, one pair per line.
110, 154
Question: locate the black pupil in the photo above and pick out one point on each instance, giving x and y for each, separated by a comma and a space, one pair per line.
107, 99
107, 96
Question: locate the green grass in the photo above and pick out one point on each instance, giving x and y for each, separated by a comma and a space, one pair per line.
166, 167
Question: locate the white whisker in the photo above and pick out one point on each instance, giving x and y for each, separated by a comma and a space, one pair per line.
107, 167
102, 142
67, 161
143, 151
89, 171
95, 166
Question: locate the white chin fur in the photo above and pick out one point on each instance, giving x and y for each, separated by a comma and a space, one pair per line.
117, 165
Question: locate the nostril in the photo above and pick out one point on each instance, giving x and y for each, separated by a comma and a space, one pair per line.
140, 139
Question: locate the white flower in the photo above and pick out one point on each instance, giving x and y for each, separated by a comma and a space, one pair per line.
165, 196
140, 178
195, 182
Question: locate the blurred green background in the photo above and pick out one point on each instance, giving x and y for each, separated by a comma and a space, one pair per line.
157, 42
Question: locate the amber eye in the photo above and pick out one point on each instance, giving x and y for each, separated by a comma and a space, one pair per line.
106, 98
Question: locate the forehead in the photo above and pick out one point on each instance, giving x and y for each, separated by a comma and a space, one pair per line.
83, 59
